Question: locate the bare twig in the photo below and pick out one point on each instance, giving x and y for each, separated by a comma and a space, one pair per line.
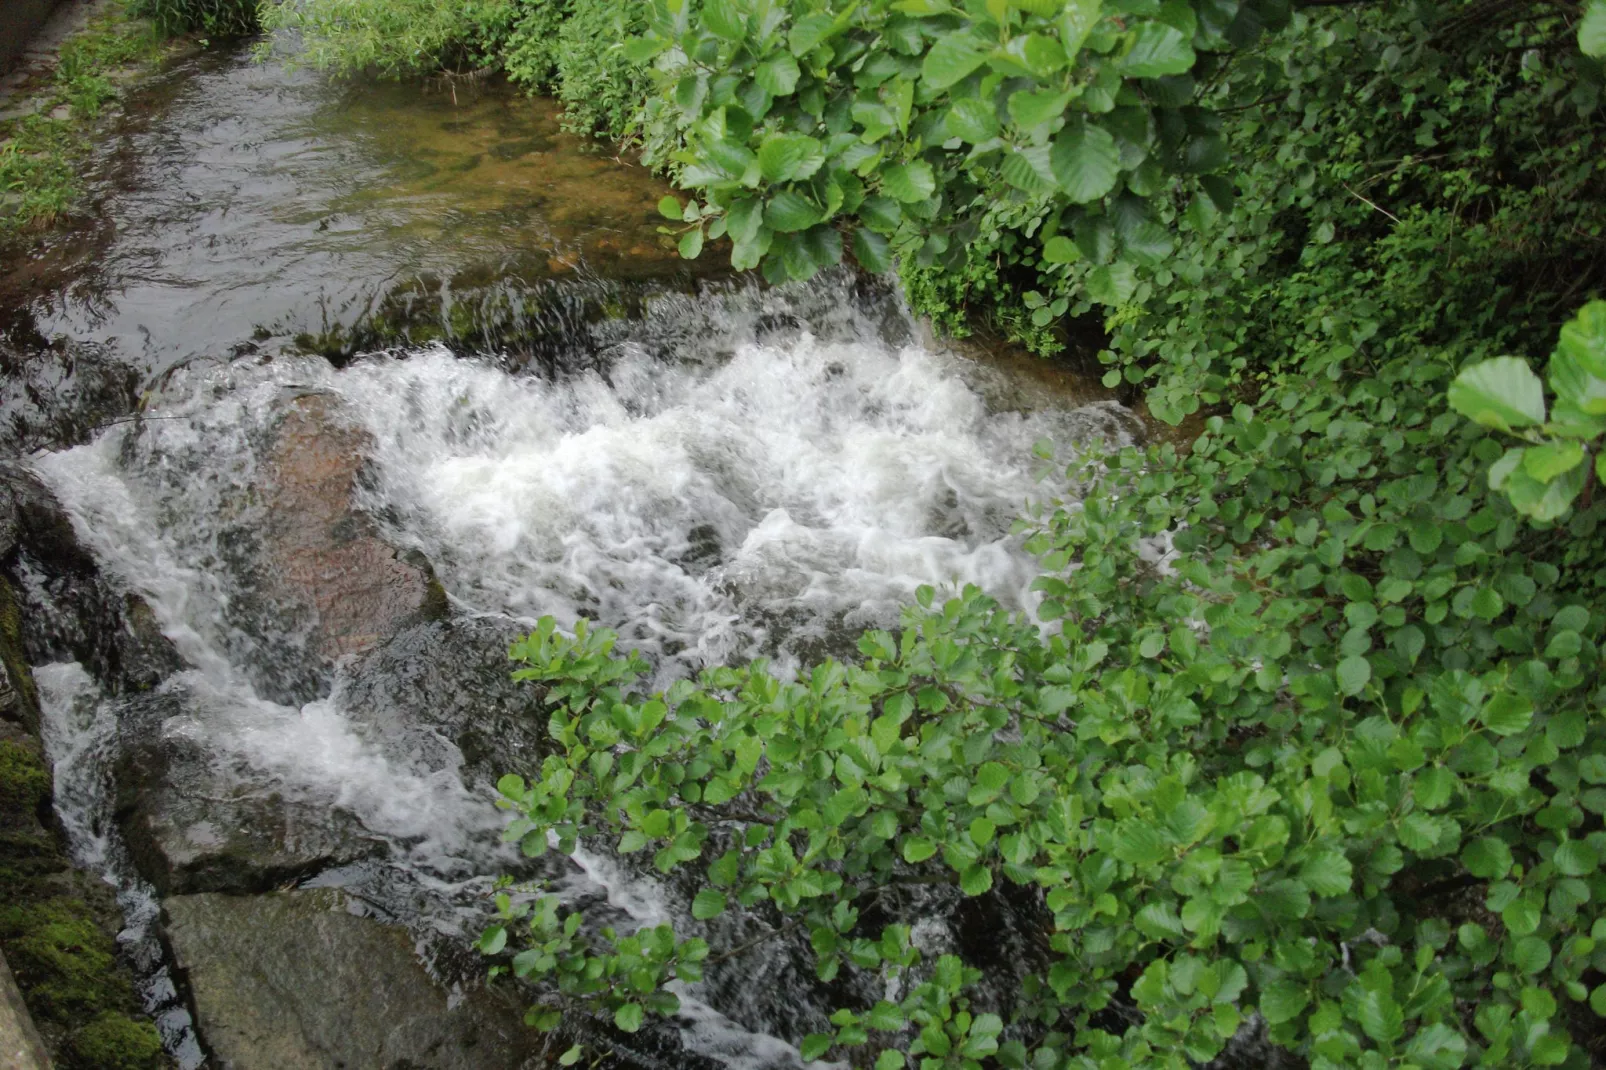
1372, 203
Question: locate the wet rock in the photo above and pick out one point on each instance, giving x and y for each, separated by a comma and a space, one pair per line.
324, 553
60, 605
299, 981
451, 682
196, 822
55, 395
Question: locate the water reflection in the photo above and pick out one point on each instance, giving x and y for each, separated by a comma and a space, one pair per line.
244, 201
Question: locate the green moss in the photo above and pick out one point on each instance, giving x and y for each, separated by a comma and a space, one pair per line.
114, 1041
11, 655
24, 782
64, 963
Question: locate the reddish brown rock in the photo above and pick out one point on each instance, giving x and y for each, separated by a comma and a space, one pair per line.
325, 554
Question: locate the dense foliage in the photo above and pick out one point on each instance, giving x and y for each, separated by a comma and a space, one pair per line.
1308, 727
1312, 729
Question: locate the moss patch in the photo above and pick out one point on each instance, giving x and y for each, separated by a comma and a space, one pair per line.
24, 783
65, 965
11, 656
115, 1042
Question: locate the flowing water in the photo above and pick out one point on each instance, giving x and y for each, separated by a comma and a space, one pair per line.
716, 470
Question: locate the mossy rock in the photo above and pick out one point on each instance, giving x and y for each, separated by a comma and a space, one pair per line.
63, 961
24, 784
114, 1041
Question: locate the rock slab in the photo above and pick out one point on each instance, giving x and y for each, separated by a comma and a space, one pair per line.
20, 1045
299, 981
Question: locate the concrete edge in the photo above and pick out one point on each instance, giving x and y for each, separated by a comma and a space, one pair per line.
21, 1047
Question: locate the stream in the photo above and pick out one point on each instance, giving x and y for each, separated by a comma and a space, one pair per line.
349, 385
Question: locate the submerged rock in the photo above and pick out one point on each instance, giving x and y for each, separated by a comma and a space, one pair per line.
302, 981
197, 822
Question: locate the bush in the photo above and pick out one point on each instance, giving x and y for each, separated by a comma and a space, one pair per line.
1311, 729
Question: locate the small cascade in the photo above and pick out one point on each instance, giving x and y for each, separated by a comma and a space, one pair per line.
738, 473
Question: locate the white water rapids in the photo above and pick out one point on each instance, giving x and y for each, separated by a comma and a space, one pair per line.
711, 491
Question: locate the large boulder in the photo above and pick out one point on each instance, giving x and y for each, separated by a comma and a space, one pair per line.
197, 821
304, 981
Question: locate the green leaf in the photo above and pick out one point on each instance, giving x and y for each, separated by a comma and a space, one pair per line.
1282, 1002
918, 849
629, 1017
722, 17
1545, 463
571, 1056
1530, 954
1031, 109
909, 182
976, 880
1576, 858
1140, 843
1353, 674
1502, 393
1113, 285
1076, 22
1487, 857
872, 251
815, 1045
1085, 161
1327, 873
891, 1059
1380, 1016
971, 120
1060, 250
669, 208
1157, 49
691, 243
1506, 713
708, 903
1592, 30
778, 75
810, 32
788, 212
784, 157
951, 59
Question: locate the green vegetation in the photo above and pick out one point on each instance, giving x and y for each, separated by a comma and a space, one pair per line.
42, 153
1543, 479
1308, 728
569, 48
1312, 732
24, 782
209, 18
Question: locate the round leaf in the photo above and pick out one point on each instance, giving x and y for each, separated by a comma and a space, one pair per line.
1502, 393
